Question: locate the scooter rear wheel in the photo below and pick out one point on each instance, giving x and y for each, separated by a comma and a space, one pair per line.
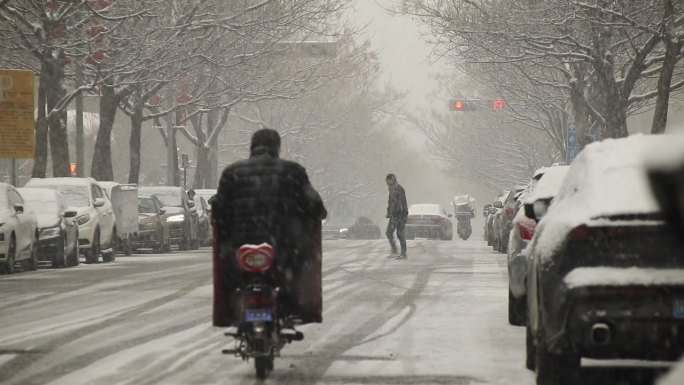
261, 366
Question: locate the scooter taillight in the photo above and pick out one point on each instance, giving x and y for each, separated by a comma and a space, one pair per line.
256, 258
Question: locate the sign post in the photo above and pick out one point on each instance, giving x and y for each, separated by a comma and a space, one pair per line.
17, 120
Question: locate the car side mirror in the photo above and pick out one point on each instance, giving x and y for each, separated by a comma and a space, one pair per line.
99, 202
70, 214
18, 208
537, 209
162, 211
498, 205
450, 216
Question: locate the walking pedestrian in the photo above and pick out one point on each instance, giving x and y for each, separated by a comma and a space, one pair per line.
397, 212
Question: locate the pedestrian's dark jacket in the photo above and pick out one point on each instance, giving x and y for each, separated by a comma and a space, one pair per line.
396, 206
268, 199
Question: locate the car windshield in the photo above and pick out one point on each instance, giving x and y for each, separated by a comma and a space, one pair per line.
168, 198
41, 203
76, 196
146, 206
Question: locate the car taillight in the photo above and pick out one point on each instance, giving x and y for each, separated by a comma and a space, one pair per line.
256, 258
438, 220
526, 228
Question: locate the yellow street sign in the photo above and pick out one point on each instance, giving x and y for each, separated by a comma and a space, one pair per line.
17, 116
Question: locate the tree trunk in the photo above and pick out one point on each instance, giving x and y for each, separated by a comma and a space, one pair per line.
102, 161
664, 82
134, 142
59, 144
40, 158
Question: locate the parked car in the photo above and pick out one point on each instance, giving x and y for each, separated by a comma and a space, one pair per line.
57, 228
181, 214
364, 228
492, 224
95, 217
18, 231
605, 275
153, 229
206, 193
486, 210
503, 218
429, 221
543, 186
124, 198
203, 225
337, 228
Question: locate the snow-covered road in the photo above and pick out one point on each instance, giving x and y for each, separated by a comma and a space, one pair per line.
437, 318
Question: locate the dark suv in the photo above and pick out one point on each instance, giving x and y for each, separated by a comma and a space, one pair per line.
181, 214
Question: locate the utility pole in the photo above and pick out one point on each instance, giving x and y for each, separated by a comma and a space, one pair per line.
170, 154
80, 153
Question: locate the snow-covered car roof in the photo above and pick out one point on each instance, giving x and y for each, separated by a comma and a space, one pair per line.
426, 209
463, 199
548, 185
59, 181
606, 179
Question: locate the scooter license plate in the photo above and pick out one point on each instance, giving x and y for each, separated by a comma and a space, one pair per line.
678, 307
258, 315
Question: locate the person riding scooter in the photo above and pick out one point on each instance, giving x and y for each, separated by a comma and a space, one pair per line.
265, 199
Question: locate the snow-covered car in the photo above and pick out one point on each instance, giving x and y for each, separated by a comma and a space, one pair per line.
203, 225
543, 186
497, 205
181, 214
18, 231
153, 229
364, 228
605, 276
337, 228
124, 198
206, 193
95, 217
57, 228
503, 218
426, 220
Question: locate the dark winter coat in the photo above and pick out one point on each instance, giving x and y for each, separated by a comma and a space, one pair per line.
396, 205
268, 199
263, 199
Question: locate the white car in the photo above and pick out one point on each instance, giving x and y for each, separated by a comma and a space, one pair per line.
95, 218
18, 231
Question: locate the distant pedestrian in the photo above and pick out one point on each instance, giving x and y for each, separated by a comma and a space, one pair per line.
397, 212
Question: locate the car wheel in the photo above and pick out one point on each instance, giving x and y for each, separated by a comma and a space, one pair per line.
159, 246
32, 263
557, 369
516, 311
530, 350
60, 261
73, 256
111, 256
11, 255
94, 253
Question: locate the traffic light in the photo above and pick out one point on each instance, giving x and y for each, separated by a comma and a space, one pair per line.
73, 169
461, 105
498, 104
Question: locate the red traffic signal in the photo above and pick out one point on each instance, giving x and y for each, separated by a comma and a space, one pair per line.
498, 104
461, 105
73, 168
